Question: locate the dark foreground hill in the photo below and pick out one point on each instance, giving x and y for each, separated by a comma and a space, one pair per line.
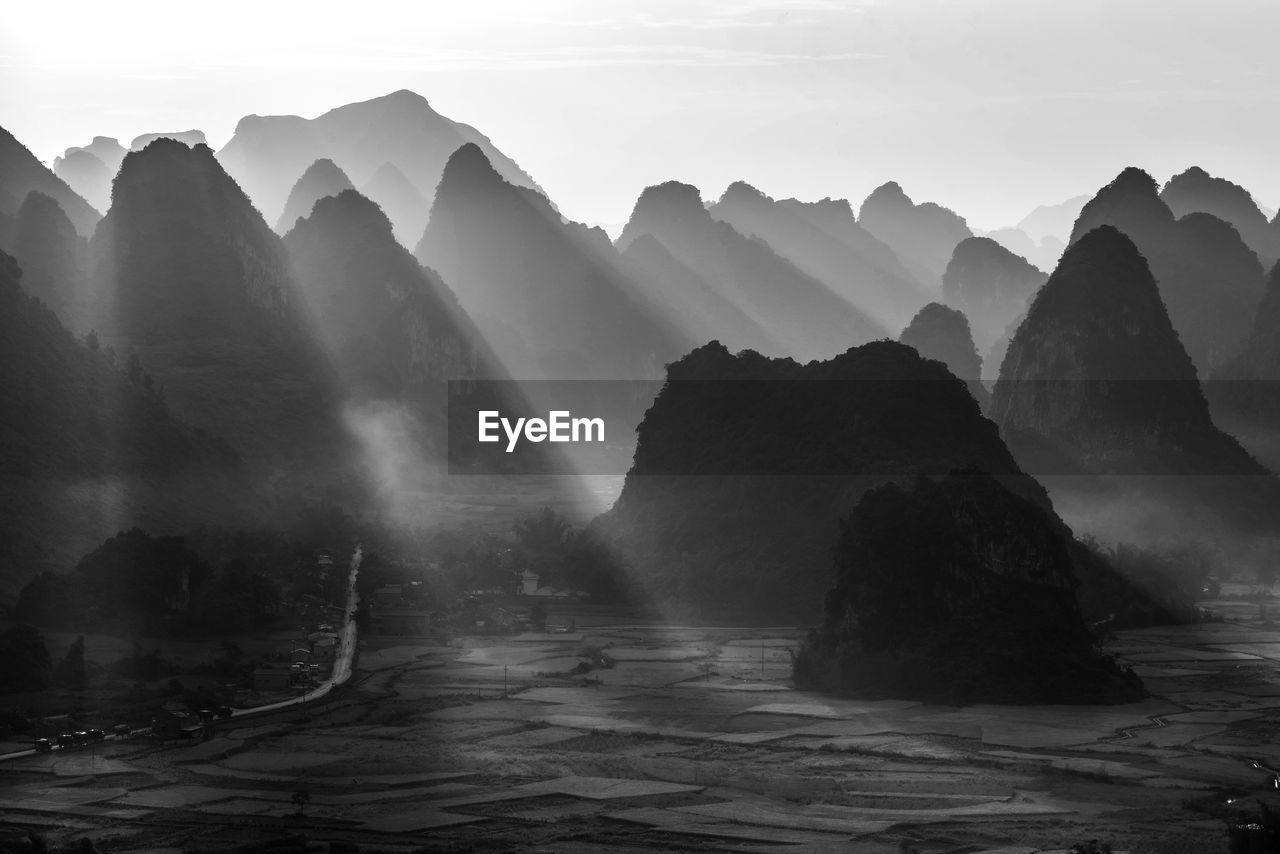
957, 591
745, 465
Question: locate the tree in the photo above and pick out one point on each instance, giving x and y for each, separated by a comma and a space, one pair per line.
24, 660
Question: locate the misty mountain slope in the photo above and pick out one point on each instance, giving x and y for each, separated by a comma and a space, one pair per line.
390, 326
957, 591
86, 175
1197, 191
922, 235
401, 128
188, 273
991, 285
1096, 381
87, 445
402, 202
550, 296
941, 333
53, 259
1053, 221
804, 316
688, 302
322, 178
1043, 255
1248, 386
21, 172
1209, 279
882, 290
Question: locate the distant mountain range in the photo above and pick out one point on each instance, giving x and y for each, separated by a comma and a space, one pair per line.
267, 154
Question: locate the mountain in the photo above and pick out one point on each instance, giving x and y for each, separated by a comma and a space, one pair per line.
390, 326
1195, 190
873, 281
1245, 387
189, 275
957, 591
88, 445
1044, 255
1209, 279
991, 285
322, 178
21, 172
550, 296
403, 203
1052, 221
190, 138
923, 236
90, 169
803, 315
1097, 382
400, 128
745, 464
688, 302
53, 258
941, 333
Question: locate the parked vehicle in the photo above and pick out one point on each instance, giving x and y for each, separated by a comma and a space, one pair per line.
80, 737
224, 711
122, 730
95, 734
66, 739
43, 745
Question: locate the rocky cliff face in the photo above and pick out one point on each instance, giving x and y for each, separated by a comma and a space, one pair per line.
957, 591
1248, 386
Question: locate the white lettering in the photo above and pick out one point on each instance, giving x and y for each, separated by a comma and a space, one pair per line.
587, 425
559, 426
512, 433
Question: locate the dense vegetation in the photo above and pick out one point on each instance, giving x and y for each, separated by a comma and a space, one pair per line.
958, 591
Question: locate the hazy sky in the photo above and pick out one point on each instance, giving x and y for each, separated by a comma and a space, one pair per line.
987, 107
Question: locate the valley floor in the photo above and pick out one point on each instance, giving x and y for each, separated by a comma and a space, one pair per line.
693, 741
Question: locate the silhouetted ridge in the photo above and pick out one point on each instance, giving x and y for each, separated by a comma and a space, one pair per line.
923, 236
957, 591
551, 296
21, 172
992, 286
322, 178
1098, 320
1209, 279
804, 317
400, 128
741, 541
1248, 386
1196, 190
942, 333
829, 246
188, 272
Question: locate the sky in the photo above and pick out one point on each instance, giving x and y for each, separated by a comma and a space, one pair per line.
989, 107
